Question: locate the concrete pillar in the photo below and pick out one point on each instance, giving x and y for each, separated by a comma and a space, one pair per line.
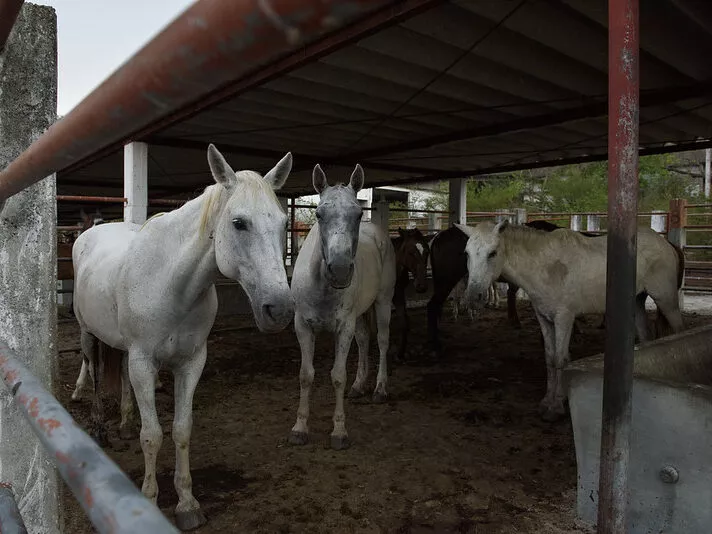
28, 260
658, 221
457, 200
593, 223
136, 182
520, 216
380, 214
576, 222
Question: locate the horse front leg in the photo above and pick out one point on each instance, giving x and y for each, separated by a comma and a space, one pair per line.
512, 306
383, 322
548, 335
188, 513
344, 336
563, 325
300, 431
142, 372
358, 388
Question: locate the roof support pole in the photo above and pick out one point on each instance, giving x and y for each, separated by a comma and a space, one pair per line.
457, 201
136, 182
623, 129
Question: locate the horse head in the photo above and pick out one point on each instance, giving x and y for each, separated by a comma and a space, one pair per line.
249, 233
338, 217
484, 261
413, 256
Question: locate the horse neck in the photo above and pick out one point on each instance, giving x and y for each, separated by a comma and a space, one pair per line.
522, 249
194, 265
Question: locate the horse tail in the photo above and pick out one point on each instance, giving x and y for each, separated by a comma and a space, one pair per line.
680, 264
110, 359
662, 326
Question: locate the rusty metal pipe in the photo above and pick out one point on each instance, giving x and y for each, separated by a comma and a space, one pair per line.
9, 10
623, 130
211, 44
94, 200
10, 518
106, 494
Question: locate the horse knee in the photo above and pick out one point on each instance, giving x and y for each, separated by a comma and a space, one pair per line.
151, 437
306, 377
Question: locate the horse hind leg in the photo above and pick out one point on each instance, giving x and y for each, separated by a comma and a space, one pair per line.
362, 334
90, 348
641, 318
82, 380
383, 321
669, 318
127, 429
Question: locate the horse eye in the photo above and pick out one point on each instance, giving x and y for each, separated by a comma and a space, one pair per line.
318, 215
239, 224
492, 254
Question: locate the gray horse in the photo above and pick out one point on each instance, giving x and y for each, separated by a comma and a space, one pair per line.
345, 269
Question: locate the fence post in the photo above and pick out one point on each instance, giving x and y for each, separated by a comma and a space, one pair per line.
658, 221
576, 222
28, 242
284, 202
520, 216
677, 235
380, 215
457, 201
593, 223
136, 182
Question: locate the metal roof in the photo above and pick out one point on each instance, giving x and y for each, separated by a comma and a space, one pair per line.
428, 90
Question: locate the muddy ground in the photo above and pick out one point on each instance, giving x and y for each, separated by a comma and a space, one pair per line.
458, 448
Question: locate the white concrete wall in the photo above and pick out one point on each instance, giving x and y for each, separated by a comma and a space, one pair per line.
28, 260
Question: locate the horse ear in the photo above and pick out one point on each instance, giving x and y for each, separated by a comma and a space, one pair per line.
280, 172
500, 226
222, 172
319, 179
464, 229
357, 177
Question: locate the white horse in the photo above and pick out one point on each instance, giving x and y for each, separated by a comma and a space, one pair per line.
564, 274
150, 290
345, 269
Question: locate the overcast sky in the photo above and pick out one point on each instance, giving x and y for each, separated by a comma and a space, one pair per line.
96, 36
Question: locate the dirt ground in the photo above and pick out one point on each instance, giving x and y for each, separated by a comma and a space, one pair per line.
458, 448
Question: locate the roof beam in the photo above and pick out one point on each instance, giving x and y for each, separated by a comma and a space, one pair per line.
598, 109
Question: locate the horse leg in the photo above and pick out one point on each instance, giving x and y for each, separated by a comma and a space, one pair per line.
641, 318
188, 513
547, 334
90, 347
383, 320
82, 380
305, 336
669, 316
126, 428
344, 336
563, 325
512, 306
402, 313
142, 372
358, 389
435, 306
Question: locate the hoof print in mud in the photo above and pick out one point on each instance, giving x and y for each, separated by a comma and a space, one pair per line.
340, 443
298, 438
190, 520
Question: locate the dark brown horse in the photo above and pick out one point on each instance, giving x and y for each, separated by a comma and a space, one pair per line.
412, 252
449, 265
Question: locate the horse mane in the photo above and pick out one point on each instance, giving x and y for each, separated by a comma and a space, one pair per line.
248, 185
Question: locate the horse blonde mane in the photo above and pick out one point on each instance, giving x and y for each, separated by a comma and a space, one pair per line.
247, 184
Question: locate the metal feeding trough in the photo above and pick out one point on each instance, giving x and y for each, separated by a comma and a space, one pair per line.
670, 478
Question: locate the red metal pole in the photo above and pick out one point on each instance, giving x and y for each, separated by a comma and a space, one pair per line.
212, 44
100, 200
9, 10
623, 126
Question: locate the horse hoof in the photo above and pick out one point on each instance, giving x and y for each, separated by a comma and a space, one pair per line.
340, 443
101, 436
355, 393
379, 398
76, 397
298, 438
128, 433
551, 416
190, 520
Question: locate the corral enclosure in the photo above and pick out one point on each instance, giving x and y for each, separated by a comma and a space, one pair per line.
459, 447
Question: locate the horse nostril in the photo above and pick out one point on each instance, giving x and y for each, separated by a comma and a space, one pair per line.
268, 311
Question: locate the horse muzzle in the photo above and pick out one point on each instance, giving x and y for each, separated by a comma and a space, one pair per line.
275, 314
340, 274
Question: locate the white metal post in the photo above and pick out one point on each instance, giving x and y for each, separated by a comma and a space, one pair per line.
708, 157
136, 182
457, 200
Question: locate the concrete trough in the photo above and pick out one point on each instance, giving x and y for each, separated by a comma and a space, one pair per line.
671, 437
